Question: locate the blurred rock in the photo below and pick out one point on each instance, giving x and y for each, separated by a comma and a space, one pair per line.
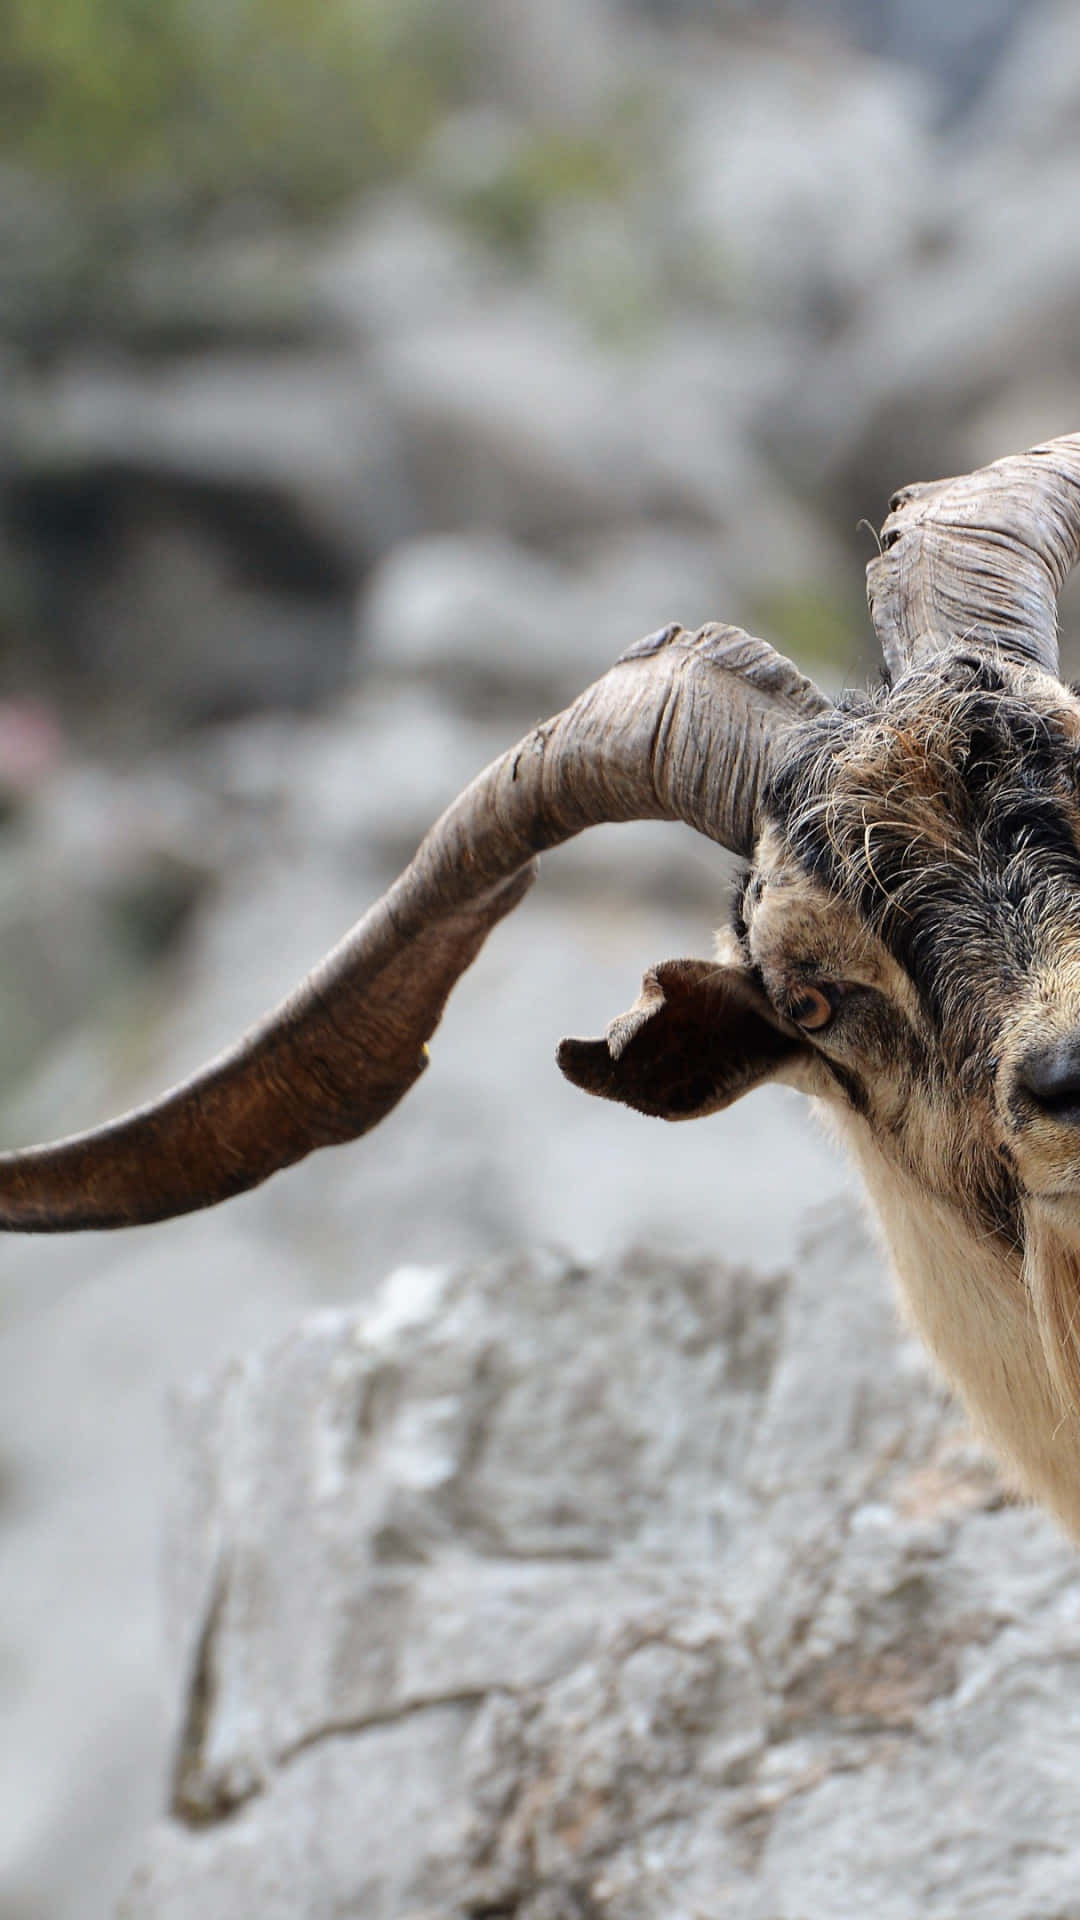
48, 259
799, 243
466, 609
308, 428
366, 786
91, 891
514, 422
230, 290
32, 745
474, 613
199, 528
944, 341
958, 47
395, 259
514, 418
60, 957
366, 782
657, 1587
1031, 106
493, 1151
76, 270
511, 419
562, 65
493, 626
964, 337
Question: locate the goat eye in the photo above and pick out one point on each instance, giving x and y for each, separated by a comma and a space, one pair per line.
811, 1008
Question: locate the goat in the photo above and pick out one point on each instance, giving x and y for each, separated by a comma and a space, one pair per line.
904, 945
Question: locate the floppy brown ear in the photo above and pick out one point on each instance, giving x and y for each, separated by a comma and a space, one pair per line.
699, 1035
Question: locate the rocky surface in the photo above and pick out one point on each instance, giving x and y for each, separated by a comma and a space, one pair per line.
492, 1151
643, 1588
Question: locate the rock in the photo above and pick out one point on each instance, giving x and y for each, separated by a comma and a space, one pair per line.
469, 612
394, 258
493, 1150
963, 336
1031, 104
475, 613
199, 528
655, 1587
49, 259
563, 67
946, 341
959, 48
562, 444
512, 419
89, 891
308, 427
798, 245
515, 418
515, 424
494, 628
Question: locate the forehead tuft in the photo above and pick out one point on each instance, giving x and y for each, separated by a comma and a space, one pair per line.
945, 812
947, 768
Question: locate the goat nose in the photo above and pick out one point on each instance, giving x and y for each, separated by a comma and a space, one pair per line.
1050, 1075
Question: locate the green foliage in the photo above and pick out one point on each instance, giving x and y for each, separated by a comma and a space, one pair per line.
812, 622
539, 171
203, 99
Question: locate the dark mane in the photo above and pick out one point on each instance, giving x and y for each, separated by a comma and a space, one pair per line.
946, 811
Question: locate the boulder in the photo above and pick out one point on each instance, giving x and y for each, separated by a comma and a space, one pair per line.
959, 48
511, 418
196, 529
652, 1588
979, 325
479, 613
797, 244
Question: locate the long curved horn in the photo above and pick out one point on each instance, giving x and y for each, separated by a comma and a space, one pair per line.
979, 560
680, 729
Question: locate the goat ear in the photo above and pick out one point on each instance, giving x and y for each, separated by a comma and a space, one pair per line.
699, 1035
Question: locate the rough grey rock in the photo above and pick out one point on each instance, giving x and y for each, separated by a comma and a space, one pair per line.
958, 47
563, 65
472, 612
646, 1589
307, 426
982, 319
964, 334
793, 243
512, 419
391, 259
198, 528
493, 1150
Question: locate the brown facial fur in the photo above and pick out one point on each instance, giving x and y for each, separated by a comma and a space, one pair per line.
930, 857
925, 857
877, 1062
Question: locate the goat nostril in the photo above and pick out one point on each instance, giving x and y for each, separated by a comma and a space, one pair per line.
1050, 1076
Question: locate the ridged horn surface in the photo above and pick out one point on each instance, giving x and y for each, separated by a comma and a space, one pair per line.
979, 560
680, 729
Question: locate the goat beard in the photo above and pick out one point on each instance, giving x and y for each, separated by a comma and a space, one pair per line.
1052, 1278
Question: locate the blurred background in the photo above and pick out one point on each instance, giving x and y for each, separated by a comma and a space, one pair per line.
370, 376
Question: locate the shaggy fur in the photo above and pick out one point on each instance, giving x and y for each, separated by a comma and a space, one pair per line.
923, 865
